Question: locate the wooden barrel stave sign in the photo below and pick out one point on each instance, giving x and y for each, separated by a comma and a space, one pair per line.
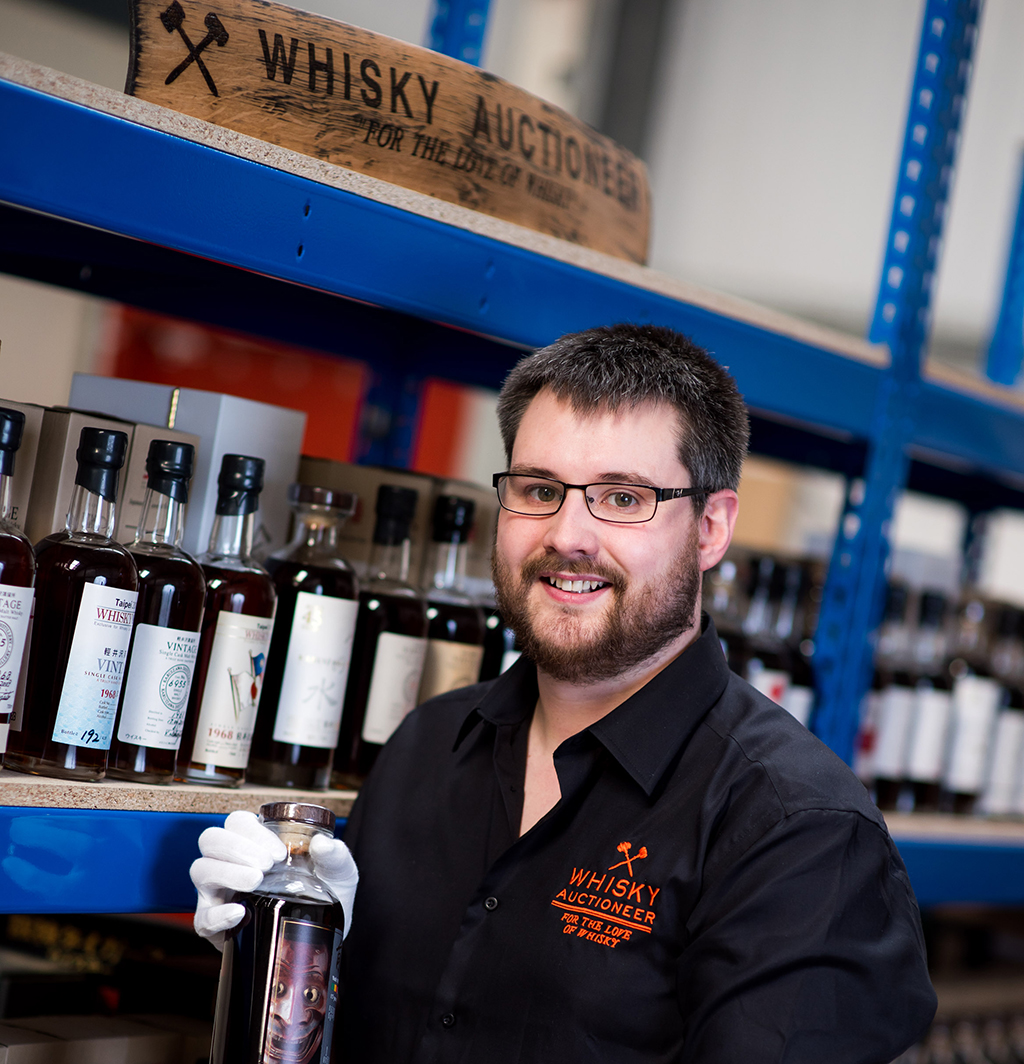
391, 110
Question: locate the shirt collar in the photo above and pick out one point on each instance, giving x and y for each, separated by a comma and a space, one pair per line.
645, 733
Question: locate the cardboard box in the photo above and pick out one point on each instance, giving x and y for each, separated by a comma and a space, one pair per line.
224, 424
54, 477
356, 536
25, 459
20, 1046
105, 1040
196, 1035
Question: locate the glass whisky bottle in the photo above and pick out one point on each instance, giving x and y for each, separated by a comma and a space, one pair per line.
455, 637
278, 993
307, 668
390, 643
165, 641
237, 624
17, 575
86, 590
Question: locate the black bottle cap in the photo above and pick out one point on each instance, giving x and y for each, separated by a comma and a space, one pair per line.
342, 502
896, 602
239, 485
100, 454
169, 468
1008, 622
395, 509
933, 610
453, 519
298, 813
12, 425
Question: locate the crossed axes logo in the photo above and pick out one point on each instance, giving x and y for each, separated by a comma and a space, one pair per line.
172, 19
624, 848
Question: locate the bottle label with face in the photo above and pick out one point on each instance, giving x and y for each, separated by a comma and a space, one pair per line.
448, 666
303, 997
159, 680
15, 614
96, 667
234, 682
397, 669
316, 671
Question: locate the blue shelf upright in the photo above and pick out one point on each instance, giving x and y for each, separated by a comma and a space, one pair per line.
854, 589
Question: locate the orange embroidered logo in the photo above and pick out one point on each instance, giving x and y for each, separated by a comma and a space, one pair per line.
604, 909
625, 847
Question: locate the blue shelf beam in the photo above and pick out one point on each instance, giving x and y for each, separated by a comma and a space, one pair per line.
856, 580
1006, 348
457, 28
968, 873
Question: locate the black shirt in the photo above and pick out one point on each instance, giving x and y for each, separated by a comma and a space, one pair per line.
713, 886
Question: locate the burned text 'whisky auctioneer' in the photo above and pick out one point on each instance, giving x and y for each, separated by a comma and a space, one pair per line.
393, 111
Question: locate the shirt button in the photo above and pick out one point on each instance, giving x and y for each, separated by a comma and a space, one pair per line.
448, 1020
491, 904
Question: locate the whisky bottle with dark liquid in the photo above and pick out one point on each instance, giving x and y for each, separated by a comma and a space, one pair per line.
278, 994
455, 638
307, 668
390, 643
86, 589
165, 642
237, 624
17, 575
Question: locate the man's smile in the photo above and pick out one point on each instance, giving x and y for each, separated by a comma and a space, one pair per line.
575, 585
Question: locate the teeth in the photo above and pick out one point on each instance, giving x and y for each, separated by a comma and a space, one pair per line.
576, 586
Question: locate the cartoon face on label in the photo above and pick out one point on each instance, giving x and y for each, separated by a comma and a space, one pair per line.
298, 999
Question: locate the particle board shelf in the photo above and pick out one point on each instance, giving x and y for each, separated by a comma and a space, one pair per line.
20, 789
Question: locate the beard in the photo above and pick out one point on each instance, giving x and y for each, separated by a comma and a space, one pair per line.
641, 621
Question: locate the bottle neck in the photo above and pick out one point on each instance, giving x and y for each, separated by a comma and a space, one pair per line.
6, 497
317, 532
90, 514
448, 566
390, 561
295, 875
231, 535
162, 521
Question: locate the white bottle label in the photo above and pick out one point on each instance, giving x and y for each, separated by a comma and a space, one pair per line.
156, 693
449, 666
234, 681
1005, 771
976, 701
397, 668
895, 714
929, 729
15, 615
18, 709
96, 667
798, 702
316, 671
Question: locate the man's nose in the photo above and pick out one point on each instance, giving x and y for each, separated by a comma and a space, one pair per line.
574, 529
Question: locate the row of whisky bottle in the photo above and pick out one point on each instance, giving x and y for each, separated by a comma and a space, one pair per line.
943, 725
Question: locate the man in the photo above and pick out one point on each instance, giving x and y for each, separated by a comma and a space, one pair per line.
619, 851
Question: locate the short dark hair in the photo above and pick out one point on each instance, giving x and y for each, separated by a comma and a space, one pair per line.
626, 366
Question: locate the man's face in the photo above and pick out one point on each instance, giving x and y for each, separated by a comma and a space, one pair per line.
645, 578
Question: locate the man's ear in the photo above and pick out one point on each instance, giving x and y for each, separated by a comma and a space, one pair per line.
716, 526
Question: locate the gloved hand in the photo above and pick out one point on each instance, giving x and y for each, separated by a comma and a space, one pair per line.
235, 858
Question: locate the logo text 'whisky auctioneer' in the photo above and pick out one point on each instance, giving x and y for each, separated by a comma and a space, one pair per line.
393, 111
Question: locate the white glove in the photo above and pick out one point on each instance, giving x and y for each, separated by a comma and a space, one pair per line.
236, 856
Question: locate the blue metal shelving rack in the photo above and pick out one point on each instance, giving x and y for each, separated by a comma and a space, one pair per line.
194, 231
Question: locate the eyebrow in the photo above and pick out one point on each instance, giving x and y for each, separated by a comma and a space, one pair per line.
615, 477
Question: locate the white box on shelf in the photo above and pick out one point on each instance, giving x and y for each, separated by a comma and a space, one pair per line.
225, 424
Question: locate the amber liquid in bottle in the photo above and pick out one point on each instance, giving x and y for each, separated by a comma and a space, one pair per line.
292, 764
379, 612
235, 584
66, 563
171, 595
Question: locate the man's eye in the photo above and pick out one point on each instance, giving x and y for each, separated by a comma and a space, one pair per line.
542, 493
622, 500
311, 995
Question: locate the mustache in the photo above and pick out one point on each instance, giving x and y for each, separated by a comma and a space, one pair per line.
533, 567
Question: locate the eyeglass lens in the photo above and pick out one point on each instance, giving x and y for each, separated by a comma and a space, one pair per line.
537, 496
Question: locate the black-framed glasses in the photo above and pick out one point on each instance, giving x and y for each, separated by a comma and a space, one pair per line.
622, 504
